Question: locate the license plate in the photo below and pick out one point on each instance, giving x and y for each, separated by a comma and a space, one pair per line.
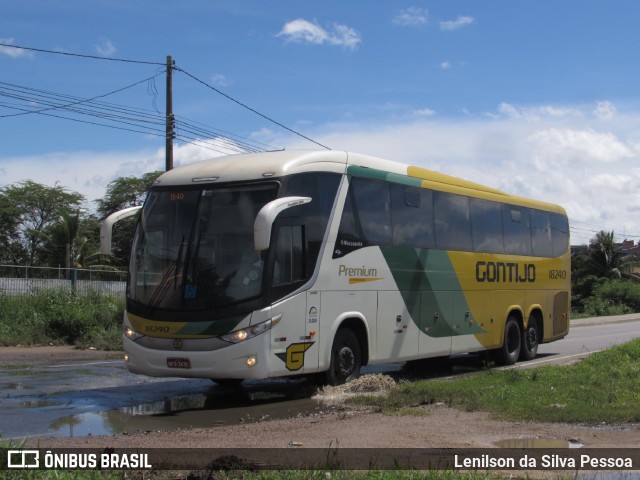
178, 363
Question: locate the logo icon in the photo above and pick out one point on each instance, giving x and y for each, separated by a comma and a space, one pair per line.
294, 356
23, 458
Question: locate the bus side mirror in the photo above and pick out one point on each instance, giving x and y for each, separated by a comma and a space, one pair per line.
267, 215
106, 229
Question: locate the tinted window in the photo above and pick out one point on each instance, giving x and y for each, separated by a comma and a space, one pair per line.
541, 233
289, 265
322, 188
452, 221
486, 226
412, 216
559, 234
373, 205
517, 230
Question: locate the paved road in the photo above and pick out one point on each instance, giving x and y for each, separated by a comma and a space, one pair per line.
82, 398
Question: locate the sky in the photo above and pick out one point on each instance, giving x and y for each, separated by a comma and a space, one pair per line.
537, 98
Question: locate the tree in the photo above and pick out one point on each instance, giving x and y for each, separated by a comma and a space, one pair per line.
28, 210
606, 257
122, 193
11, 252
125, 192
72, 241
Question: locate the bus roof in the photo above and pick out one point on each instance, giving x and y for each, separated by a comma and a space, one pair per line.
255, 166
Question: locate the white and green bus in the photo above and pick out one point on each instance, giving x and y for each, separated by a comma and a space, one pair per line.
303, 263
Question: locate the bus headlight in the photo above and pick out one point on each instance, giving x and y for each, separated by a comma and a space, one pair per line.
250, 332
131, 334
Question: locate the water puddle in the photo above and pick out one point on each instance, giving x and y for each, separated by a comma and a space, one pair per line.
537, 443
216, 408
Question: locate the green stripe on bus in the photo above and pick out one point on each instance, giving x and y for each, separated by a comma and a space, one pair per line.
429, 287
374, 174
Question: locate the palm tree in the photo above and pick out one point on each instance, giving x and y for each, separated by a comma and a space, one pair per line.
606, 258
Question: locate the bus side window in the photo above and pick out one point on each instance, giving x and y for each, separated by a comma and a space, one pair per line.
412, 216
486, 226
452, 221
289, 259
541, 233
373, 210
517, 230
559, 234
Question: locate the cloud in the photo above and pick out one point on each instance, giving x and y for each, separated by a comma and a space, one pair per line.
303, 31
605, 110
461, 21
446, 65
568, 146
535, 113
106, 48
221, 80
411, 17
13, 52
423, 112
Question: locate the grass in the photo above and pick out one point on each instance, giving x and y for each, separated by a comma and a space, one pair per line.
604, 387
247, 475
61, 317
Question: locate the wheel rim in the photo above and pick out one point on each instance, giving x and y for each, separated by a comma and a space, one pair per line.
345, 363
532, 337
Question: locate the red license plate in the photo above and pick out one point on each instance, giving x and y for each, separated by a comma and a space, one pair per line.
178, 363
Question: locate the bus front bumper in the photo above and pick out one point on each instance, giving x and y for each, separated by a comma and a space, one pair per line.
247, 359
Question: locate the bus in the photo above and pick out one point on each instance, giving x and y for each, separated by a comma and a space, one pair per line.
317, 263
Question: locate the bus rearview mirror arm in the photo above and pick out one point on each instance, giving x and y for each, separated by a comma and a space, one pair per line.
106, 229
267, 215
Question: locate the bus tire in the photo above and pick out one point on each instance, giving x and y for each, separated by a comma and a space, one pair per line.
227, 382
530, 339
346, 358
509, 353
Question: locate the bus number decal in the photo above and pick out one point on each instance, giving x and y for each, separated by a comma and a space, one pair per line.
557, 274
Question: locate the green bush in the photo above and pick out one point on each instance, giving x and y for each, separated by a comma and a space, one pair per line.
613, 297
62, 317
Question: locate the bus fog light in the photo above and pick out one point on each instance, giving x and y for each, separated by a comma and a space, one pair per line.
126, 357
251, 361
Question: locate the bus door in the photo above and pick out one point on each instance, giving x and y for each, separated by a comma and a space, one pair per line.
296, 333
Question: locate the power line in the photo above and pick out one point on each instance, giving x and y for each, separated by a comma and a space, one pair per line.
69, 106
123, 118
249, 108
94, 57
79, 101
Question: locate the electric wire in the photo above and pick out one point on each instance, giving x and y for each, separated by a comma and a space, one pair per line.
93, 57
248, 107
151, 87
141, 120
77, 101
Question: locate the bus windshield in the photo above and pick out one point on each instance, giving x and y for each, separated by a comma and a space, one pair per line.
193, 249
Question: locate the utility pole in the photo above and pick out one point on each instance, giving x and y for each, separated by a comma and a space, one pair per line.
169, 120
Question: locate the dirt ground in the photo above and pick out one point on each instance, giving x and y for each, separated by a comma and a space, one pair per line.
434, 426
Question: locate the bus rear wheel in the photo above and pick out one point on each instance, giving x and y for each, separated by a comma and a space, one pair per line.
346, 358
510, 351
530, 339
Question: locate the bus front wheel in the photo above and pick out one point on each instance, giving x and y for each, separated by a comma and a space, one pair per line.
510, 351
346, 358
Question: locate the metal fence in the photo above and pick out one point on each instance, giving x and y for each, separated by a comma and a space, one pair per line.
19, 280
